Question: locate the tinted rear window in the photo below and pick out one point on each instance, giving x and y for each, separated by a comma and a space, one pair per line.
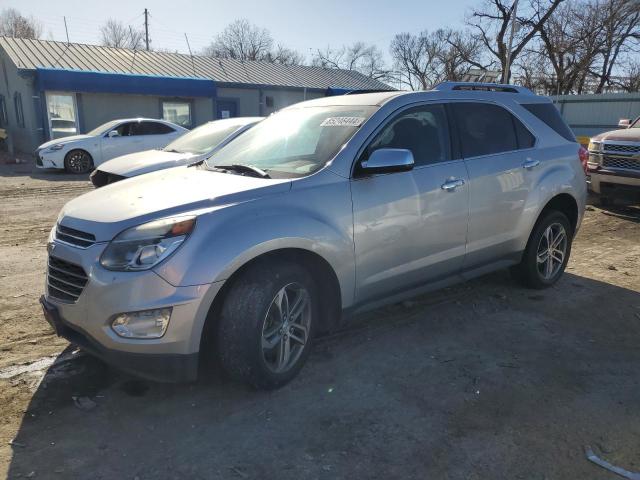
484, 129
549, 114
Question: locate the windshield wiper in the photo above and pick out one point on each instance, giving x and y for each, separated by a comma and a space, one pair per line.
173, 150
244, 169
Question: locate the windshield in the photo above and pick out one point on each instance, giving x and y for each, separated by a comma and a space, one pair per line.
203, 139
294, 142
636, 123
104, 128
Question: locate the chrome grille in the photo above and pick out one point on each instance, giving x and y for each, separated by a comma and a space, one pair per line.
65, 280
74, 237
614, 147
620, 162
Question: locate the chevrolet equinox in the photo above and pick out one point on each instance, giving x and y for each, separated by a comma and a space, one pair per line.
325, 209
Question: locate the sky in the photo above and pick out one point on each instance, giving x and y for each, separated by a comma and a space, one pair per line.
301, 25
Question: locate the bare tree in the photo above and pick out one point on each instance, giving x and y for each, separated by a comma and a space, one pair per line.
13, 24
492, 20
284, 56
421, 61
571, 43
620, 21
242, 40
363, 58
629, 81
117, 34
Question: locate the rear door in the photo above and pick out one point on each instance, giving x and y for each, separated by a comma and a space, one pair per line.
502, 165
410, 227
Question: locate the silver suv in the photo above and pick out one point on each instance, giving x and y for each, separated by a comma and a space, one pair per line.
325, 209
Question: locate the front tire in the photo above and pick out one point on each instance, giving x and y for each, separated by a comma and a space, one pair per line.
78, 162
547, 253
267, 322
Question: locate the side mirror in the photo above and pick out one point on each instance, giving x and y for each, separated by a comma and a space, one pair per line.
387, 160
113, 133
624, 123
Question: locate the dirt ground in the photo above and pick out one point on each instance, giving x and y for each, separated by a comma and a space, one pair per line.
485, 380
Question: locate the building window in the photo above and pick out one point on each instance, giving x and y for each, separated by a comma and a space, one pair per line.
61, 111
4, 119
268, 101
17, 101
177, 112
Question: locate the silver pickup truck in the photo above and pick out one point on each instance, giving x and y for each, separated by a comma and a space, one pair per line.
614, 163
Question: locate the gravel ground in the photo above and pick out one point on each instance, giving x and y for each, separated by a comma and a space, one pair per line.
482, 380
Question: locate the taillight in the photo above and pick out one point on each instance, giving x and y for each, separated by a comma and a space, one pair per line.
583, 154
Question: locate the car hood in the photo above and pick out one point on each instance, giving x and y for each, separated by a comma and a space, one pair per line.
69, 139
144, 162
625, 135
107, 211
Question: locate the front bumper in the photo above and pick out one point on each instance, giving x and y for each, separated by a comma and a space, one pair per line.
87, 320
614, 183
49, 159
158, 367
100, 178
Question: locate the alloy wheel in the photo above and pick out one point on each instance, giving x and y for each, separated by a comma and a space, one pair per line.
285, 330
552, 250
79, 162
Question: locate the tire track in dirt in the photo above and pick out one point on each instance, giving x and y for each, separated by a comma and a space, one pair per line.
45, 191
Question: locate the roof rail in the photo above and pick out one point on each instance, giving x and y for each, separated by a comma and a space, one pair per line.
483, 87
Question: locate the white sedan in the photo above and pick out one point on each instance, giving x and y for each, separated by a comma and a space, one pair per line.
199, 143
82, 153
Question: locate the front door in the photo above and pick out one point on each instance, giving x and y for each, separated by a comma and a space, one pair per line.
226, 109
410, 227
126, 140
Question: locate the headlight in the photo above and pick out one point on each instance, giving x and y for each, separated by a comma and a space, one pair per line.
144, 246
57, 146
595, 146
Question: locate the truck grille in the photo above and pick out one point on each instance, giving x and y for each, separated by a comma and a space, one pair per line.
74, 237
620, 162
65, 280
614, 147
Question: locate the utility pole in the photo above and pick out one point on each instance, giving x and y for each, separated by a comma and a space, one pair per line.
507, 68
146, 27
66, 29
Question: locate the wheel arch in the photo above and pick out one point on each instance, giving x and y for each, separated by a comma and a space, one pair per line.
564, 203
319, 267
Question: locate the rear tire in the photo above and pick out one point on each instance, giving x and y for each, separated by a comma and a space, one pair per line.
547, 253
267, 322
78, 161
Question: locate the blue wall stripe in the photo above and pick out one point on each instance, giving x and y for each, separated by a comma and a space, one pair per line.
103, 82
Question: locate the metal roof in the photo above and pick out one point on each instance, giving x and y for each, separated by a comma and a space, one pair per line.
28, 54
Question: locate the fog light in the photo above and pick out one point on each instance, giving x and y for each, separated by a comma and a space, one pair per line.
144, 324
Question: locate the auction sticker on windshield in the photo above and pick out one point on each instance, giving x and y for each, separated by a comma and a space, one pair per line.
342, 122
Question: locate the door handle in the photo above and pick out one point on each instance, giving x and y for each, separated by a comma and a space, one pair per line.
530, 163
451, 184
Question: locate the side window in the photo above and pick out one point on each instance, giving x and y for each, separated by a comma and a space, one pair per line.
4, 119
484, 129
423, 130
549, 114
124, 129
524, 136
17, 100
151, 128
